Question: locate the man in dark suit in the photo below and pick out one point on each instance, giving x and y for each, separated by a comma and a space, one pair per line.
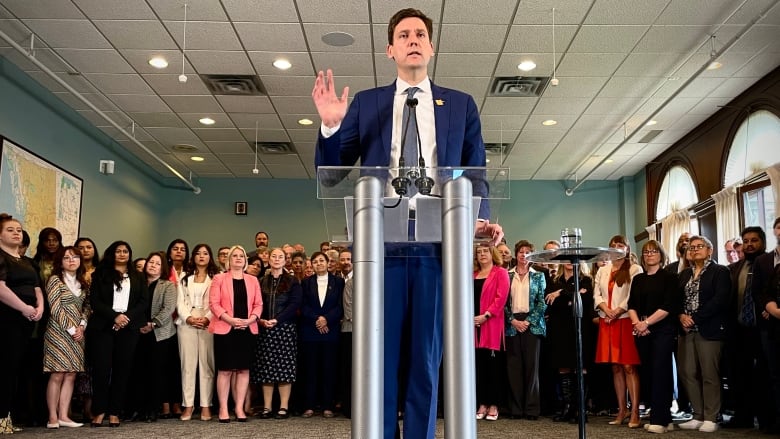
747, 375
450, 135
766, 274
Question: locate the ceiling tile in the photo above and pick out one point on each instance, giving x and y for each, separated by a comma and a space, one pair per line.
99, 121
475, 86
617, 39
466, 64
673, 39
290, 121
503, 122
77, 82
119, 83
136, 34
73, 34
281, 37
220, 63
507, 64
650, 64
226, 149
360, 32
629, 87
265, 135
139, 103
576, 87
537, 39
555, 106
731, 88
287, 171
246, 104
96, 60
281, 159
189, 104
702, 12
540, 11
458, 38
296, 105
613, 106
342, 64
174, 136
197, 10
504, 105
263, 121
99, 101
463, 11
758, 67
147, 120
590, 64
168, 84
205, 35
708, 106
535, 121
61, 9
288, 85
151, 145
139, 60
301, 63
218, 134
115, 9
264, 11
624, 12
547, 135
316, 11
303, 135
192, 120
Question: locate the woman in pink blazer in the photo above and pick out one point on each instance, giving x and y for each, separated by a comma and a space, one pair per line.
236, 305
491, 288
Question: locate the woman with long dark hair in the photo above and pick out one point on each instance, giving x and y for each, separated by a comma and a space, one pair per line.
118, 298
196, 343
63, 354
615, 344
49, 241
89, 257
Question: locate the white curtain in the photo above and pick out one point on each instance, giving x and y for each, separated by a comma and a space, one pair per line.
774, 178
652, 232
726, 219
674, 225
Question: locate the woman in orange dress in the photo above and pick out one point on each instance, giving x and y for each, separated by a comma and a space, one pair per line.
615, 344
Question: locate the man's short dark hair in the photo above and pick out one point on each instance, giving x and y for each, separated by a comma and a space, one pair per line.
754, 229
408, 13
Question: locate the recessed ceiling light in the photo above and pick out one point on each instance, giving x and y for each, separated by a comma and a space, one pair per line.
608, 161
338, 39
526, 66
714, 65
487, 160
651, 122
196, 158
158, 62
305, 122
549, 122
282, 64
207, 121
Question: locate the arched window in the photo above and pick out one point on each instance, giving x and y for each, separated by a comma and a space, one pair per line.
677, 191
754, 148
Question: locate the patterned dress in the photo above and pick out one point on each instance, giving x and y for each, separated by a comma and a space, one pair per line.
277, 348
68, 308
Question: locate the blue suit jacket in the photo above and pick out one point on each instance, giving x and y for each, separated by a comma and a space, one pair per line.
367, 130
332, 309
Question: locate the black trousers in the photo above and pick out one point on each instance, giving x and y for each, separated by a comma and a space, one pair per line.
345, 373
490, 368
320, 360
749, 376
655, 352
522, 368
111, 353
15, 330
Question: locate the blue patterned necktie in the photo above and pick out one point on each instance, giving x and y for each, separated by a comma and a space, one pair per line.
410, 145
748, 305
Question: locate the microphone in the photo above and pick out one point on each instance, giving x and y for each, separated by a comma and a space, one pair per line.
422, 182
401, 183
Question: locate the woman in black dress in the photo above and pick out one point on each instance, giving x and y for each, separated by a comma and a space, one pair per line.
21, 305
561, 335
277, 345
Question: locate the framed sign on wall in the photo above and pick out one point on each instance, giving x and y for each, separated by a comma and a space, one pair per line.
39, 193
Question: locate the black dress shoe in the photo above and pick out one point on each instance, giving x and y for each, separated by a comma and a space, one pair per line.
532, 418
95, 424
132, 417
224, 421
113, 424
282, 414
240, 419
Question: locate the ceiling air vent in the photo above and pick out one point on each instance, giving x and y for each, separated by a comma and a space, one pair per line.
234, 85
652, 134
275, 148
519, 86
496, 148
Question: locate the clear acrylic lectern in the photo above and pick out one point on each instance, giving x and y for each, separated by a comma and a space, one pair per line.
362, 209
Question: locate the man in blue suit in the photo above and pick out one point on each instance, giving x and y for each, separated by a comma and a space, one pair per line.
450, 135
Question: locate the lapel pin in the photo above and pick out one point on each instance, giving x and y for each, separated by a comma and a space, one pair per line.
439, 102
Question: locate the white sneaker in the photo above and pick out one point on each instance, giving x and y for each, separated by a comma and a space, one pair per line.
709, 427
693, 424
655, 428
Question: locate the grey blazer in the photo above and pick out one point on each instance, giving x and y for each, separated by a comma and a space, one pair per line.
163, 307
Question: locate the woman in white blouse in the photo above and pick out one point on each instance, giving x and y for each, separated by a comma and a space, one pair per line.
63, 344
615, 344
196, 343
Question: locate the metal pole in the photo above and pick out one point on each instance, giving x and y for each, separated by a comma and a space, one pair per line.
458, 298
578, 313
368, 299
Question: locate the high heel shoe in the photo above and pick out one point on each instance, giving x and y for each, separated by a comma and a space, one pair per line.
619, 419
636, 424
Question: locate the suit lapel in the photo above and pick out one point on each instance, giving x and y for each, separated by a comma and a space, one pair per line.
385, 97
441, 113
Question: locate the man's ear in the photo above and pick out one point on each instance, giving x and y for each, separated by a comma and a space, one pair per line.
388, 51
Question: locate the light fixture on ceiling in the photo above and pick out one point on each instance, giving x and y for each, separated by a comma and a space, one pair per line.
338, 39
282, 64
207, 121
549, 122
183, 77
608, 161
197, 158
158, 62
554, 81
305, 122
714, 65
651, 123
526, 66
487, 160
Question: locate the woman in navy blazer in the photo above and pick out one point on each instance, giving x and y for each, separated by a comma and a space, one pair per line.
321, 313
236, 305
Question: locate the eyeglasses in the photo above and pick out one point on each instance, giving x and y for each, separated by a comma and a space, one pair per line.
693, 248
650, 252
71, 258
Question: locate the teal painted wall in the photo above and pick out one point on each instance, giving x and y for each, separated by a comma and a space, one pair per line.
132, 205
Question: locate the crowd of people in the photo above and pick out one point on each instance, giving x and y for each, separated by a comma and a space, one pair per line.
154, 337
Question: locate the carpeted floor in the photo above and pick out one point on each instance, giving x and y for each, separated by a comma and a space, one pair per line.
318, 427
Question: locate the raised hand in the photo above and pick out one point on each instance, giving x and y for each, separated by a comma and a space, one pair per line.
330, 107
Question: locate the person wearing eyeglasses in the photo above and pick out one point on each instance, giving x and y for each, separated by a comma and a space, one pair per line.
706, 293
654, 303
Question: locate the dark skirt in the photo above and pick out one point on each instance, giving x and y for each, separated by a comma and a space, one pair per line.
277, 353
234, 350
